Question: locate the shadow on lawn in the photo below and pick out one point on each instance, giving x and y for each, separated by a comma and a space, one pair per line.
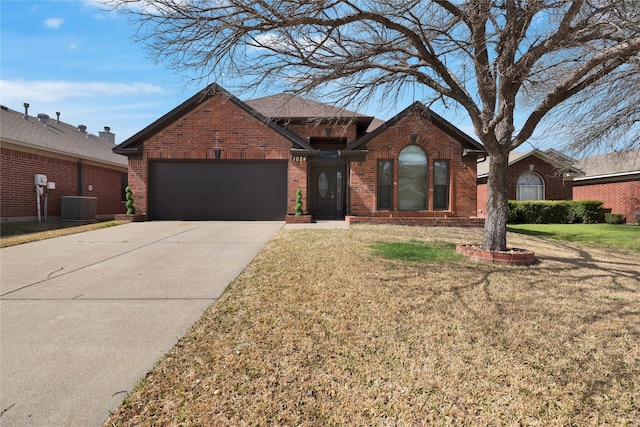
593, 298
530, 232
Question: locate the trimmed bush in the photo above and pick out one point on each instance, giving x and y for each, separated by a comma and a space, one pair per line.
611, 218
513, 213
585, 211
553, 211
299, 202
131, 210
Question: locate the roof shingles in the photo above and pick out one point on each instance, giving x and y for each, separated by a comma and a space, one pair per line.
56, 137
294, 107
611, 163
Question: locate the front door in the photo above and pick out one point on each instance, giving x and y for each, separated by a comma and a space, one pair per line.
327, 191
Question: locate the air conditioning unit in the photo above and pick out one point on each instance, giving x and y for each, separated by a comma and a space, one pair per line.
41, 180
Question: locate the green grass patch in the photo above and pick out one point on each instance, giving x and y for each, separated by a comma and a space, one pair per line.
610, 235
415, 250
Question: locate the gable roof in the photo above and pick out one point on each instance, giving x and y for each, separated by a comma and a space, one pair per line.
56, 137
131, 145
617, 163
554, 157
286, 106
437, 120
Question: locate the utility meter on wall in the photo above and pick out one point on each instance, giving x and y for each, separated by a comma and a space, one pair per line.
41, 179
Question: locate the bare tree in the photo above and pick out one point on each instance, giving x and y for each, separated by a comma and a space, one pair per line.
498, 59
606, 116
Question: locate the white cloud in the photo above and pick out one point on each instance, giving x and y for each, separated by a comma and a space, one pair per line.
126, 108
16, 91
73, 46
53, 23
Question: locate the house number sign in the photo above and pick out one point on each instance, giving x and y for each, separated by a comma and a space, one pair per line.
299, 158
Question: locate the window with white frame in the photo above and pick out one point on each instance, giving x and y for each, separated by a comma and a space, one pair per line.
530, 186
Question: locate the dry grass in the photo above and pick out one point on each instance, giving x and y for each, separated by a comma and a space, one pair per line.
319, 331
19, 233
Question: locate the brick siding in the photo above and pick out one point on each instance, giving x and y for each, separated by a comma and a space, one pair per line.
438, 146
18, 193
241, 136
555, 186
106, 186
193, 136
417, 221
621, 197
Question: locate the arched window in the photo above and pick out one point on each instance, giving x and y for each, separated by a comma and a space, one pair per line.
412, 179
530, 186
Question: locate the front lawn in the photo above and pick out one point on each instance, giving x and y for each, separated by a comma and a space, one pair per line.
615, 236
370, 326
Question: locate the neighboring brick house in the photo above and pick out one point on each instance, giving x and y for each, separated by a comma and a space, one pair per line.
80, 164
215, 157
614, 179
532, 175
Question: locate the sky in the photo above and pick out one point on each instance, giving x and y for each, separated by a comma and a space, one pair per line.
74, 57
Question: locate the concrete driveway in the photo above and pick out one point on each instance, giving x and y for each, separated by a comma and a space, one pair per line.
84, 317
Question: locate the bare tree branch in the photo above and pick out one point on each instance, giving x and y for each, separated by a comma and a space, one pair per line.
498, 59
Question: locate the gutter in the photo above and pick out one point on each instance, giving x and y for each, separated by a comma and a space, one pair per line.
610, 175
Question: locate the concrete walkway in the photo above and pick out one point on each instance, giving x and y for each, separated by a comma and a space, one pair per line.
84, 317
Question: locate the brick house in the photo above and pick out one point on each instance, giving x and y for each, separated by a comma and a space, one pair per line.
532, 175
80, 164
215, 157
613, 178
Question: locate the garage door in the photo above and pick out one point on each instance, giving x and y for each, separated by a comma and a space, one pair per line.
219, 190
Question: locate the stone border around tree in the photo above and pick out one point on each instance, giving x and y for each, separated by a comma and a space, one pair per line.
513, 256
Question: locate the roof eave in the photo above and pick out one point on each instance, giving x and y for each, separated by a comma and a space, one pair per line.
609, 175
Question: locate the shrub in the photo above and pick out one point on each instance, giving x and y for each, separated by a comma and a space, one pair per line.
513, 213
585, 211
611, 218
553, 211
538, 212
129, 195
299, 202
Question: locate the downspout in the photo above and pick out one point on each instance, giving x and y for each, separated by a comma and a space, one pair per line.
80, 178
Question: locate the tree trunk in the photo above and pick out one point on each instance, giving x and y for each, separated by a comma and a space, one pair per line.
494, 237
